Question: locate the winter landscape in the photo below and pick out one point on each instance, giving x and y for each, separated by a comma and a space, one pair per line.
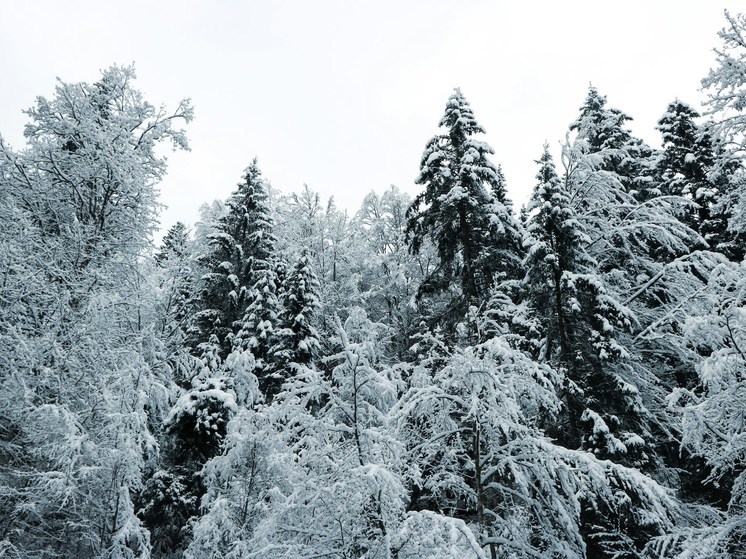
444, 375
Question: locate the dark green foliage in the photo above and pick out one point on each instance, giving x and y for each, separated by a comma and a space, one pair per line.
690, 167
166, 503
603, 131
174, 245
243, 243
297, 339
257, 331
195, 430
578, 316
475, 234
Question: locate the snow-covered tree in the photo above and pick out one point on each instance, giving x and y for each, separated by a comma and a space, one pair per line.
297, 338
601, 131
388, 274
82, 380
338, 491
242, 242
645, 260
257, 332
725, 87
475, 452
726, 84
475, 234
175, 275
712, 411
580, 321
689, 167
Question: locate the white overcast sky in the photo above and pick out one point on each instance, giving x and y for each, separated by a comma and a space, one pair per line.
343, 95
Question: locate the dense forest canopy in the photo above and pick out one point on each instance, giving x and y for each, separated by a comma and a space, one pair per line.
446, 376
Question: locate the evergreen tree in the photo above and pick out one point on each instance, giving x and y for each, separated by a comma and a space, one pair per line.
500, 188
234, 321
297, 339
257, 333
243, 242
578, 315
176, 283
690, 167
475, 452
174, 245
602, 131
475, 234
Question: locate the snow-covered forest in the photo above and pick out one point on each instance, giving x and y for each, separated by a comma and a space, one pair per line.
445, 377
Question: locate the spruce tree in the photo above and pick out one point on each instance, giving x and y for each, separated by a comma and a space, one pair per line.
174, 245
297, 339
690, 167
243, 240
475, 234
257, 331
578, 315
176, 281
581, 324
238, 287
603, 132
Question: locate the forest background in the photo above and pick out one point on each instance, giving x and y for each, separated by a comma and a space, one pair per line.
437, 375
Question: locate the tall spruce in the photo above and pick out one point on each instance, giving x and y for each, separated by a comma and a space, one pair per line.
603, 131
297, 339
243, 243
579, 316
176, 282
232, 306
475, 234
257, 331
690, 167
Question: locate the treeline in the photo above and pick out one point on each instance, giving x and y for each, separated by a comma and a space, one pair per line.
437, 377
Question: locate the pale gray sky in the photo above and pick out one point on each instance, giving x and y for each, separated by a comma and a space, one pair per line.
343, 95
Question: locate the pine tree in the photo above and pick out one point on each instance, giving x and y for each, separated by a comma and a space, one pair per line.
243, 241
475, 234
578, 314
690, 167
297, 339
602, 131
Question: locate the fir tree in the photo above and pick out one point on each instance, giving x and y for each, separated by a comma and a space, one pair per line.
690, 167
578, 315
603, 132
500, 188
174, 245
297, 339
234, 320
475, 234
257, 332
176, 282
243, 242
